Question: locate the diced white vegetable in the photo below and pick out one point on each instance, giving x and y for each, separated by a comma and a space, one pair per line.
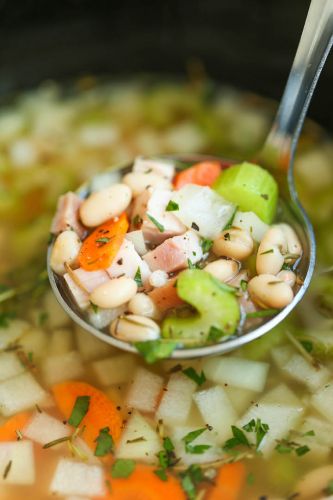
77, 478
282, 354
44, 428
114, 370
216, 410
139, 441
202, 206
176, 402
56, 316
101, 318
322, 430
136, 237
35, 340
144, 391
314, 482
10, 365
127, 261
207, 437
80, 297
21, 456
281, 415
165, 168
62, 367
299, 369
104, 179
250, 222
322, 401
20, 393
12, 332
61, 341
240, 398
237, 372
91, 347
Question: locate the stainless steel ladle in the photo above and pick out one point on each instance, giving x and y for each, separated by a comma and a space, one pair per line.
277, 155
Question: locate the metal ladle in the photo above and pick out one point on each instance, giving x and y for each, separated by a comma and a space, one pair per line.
277, 155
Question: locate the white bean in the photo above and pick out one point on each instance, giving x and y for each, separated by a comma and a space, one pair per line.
268, 291
138, 182
223, 269
280, 244
293, 243
158, 278
288, 277
234, 243
65, 250
142, 305
134, 328
105, 204
114, 293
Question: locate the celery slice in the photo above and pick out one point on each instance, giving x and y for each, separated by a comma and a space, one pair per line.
250, 187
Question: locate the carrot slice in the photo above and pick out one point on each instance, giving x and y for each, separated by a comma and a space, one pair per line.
100, 248
204, 173
166, 297
17, 422
228, 482
143, 484
101, 413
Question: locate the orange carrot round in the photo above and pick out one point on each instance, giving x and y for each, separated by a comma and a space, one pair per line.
143, 484
228, 482
100, 248
204, 173
101, 413
15, 423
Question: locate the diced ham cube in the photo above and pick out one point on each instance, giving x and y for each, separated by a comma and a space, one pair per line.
166, 296
175, 253
67, 215
89, 281
164, 168
153, 203
127, 262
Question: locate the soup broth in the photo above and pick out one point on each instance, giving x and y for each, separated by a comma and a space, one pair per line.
79, 419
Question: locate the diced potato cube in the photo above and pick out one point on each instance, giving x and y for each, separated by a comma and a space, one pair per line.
44, 428
299, 369
322, 430
176, 401
61, 341
55, 314
91, 347
114, 370
237, 372
10, 365
62, 367
217, 411
20, 393
144, 390
240, 398
21, 456
77, 478
11, 333
207, 437
35, 340
139, 440
282, 354
322, 401
281, 393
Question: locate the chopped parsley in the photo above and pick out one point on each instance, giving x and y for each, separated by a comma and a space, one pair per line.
254, 426
190, 437
284, 446
104, 442
172, 206
191, 265
231, 220
286, 267
329, 488
81, 407
262, 314
50, 444
153, 350
195, 226
166, 458
206, 245
159, 226
195, 376
307, 344
243, 285
271, 250
5, 318
215, 334
7, 469
137, 221
122, 468
190, 480
103, 241
42, 318
138, 278
94, 307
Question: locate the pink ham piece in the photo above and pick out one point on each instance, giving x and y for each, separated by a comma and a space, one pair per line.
67, 215
89, 281
175, 253
127, 262
154, 203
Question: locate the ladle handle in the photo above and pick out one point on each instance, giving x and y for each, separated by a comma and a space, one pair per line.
313, 49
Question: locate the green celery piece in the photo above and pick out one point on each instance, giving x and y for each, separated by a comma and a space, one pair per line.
216, 305
250, 187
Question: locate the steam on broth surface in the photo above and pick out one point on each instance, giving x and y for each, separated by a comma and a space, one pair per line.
275, 392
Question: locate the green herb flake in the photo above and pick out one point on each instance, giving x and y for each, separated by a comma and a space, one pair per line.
159, 226
190, 437
206, 245
50, 444
168, 444
190, 479
161, 474
104, 442
271, 250
329, 488
94, 307
215, 334
137, 221
309, 433
230, 221
103, 241
195, 376
307, 344
243, 285
42, 318
7, 469
122, 468
283, 448
286, 267
153, 350
5, 318
250, 479
191, 265
262, 314
81, 407
302, 450
172, 206
138, 278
